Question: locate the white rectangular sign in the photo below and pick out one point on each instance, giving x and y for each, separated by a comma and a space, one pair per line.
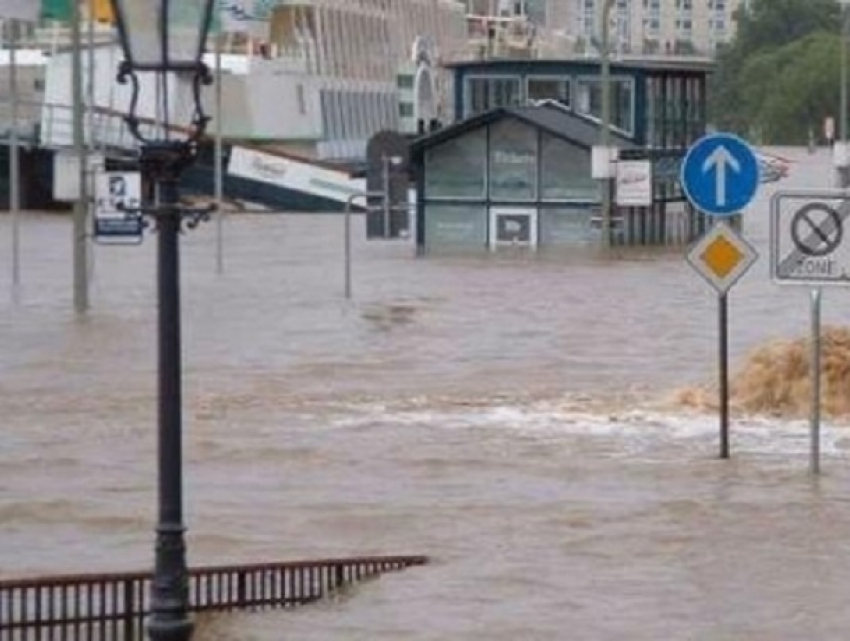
293, 174
602, 161
115, 193
634, 183
809, 237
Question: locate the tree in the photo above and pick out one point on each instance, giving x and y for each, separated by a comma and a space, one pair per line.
792, 90
779, 76
774, 23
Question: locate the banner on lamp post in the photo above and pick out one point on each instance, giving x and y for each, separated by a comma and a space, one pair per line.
234, 16
60, 10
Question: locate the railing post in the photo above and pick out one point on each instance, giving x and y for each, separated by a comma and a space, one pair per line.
241, 589
339, 572
129, 611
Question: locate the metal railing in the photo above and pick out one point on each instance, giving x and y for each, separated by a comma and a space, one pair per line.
107, 607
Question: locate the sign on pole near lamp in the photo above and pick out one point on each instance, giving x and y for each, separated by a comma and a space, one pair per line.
117, 195
720, 175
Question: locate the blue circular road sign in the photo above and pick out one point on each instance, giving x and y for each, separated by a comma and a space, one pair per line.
720, 174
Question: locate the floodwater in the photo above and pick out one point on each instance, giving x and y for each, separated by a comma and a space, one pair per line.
516, 419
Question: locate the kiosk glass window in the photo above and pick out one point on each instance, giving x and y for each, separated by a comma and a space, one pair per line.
455, 226
483, 93
513, 161
589, 101
567, 227
566, 172
545, 88
457, 168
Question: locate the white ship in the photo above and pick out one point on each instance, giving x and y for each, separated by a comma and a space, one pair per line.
313, 77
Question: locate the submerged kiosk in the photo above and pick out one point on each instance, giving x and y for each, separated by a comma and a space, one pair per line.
516, 166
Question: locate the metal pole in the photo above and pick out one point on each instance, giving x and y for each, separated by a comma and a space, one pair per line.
91, 171
723, 343
605, 132
347, 232
14, 160
816, 381
170, 619
219, 169
843, 110
843, 169
385, 161
348, 203
81, 288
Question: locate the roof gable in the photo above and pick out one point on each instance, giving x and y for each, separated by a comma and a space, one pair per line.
546, 116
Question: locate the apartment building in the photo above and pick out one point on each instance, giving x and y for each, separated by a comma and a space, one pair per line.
676, 27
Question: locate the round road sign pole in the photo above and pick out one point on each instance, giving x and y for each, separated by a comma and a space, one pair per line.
816, 382
723, 344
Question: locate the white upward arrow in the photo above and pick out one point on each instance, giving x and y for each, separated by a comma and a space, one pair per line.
719, 160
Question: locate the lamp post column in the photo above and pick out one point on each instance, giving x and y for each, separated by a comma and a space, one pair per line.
170, 619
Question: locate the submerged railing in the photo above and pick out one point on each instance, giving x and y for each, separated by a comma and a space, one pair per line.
106, 607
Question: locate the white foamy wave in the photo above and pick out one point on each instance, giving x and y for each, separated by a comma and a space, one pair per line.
631, 432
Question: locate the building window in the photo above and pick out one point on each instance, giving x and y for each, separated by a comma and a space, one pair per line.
458, 168
542, 88
513, 161
405, 109
588, 101
484, 94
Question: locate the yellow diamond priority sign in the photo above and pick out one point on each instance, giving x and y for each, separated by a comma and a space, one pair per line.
722, 256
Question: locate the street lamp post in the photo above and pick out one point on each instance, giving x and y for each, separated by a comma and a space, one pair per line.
164, 39
605, 130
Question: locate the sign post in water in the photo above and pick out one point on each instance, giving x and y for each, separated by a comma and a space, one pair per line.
808, 246
720, 176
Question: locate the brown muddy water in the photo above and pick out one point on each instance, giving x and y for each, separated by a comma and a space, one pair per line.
535, 426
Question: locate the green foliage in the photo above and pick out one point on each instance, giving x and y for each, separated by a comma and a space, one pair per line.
780, 77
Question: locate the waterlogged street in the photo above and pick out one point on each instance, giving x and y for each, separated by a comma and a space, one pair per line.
542, 428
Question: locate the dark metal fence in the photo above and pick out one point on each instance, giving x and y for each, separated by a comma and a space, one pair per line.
106, 607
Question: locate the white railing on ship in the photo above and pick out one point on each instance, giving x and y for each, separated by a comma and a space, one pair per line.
102, 128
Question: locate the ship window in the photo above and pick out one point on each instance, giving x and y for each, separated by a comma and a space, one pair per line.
324, 102
299, 97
